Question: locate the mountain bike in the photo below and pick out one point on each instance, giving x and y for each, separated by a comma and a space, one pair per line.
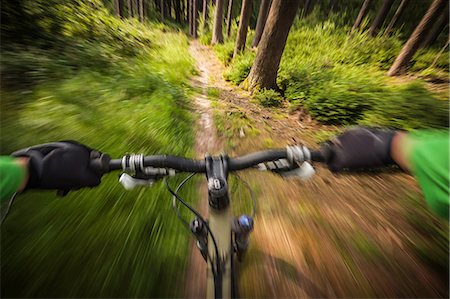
222, 239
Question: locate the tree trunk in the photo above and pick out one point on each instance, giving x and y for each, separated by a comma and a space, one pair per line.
141, 11
205, 11
261, 22
241, 39
169, 9
217, 37
177, 8
263, 73
398, 13
190, 14
381, 16
436, 30
229, 17
118, 8
163, 9
362, 13
194, 18
130, 8
412, 45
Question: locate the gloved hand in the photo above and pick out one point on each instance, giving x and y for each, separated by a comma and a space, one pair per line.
359, 148
61, 165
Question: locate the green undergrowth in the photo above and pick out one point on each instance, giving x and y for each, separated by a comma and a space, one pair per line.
101, 242
341, 78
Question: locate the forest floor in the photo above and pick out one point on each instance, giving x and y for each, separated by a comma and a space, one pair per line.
336, 235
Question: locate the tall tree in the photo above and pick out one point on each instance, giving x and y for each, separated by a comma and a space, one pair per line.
263, 73
130, 8
177, 8
141, 10
229, 16
217, 36
398, 13
436, 30
194, 18
246, 12
261, 22
168, 8
162, 9
362, 13
412, 45
380, 17
118, 8
190, 16
205, 11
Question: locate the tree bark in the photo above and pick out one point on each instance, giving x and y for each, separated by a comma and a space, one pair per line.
229, 17
436, 30
177, 8
398, 13
130, 8
412, 45
380, 17
205, 11
362, 13
261, 22
118, 8
241, 39
217, 37
263, 73
190, 15
194, 18
141, 11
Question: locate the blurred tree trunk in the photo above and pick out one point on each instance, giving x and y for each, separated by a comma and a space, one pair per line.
130, 8
177, 8
162, 9
169, 9
194, 18
217, 37
190, 7
436, 30
309, 6
398, 13
261, 22
205, 11
380, 17
188, 14
362, 13
263, 73
229, 17
412, 45
118, 8
141, 11
241, 39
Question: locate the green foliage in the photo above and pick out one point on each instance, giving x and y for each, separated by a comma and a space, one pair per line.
409, 106
117, 86
268, 98
340, 78
240, 69
224, 51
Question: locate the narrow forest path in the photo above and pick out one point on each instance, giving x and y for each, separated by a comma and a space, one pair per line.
358, 235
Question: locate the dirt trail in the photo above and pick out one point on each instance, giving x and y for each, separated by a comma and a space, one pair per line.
360, 235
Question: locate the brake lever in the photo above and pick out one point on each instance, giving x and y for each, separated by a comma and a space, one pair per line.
304, 172
129, 182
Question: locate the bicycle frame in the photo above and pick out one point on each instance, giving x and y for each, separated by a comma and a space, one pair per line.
220, 219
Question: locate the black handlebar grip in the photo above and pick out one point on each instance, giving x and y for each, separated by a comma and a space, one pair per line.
100, 164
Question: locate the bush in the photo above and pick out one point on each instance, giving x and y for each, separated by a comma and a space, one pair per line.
409, 106
224, 52
239, 70
268, 98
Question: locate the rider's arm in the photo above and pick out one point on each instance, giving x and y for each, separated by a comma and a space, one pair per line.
13, 176
426, 155
423, 153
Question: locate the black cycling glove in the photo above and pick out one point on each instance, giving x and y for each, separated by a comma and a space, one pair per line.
359, 148
61, 165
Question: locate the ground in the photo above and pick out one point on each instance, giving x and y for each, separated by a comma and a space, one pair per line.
346, 235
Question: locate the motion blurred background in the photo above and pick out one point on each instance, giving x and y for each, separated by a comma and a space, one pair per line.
119, 80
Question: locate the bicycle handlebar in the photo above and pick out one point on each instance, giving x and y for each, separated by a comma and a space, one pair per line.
139, 162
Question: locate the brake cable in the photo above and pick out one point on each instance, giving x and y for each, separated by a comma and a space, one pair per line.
216, 249
8, 208
252, 194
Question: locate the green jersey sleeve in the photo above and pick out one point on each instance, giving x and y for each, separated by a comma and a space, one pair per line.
12, 175
429, 158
